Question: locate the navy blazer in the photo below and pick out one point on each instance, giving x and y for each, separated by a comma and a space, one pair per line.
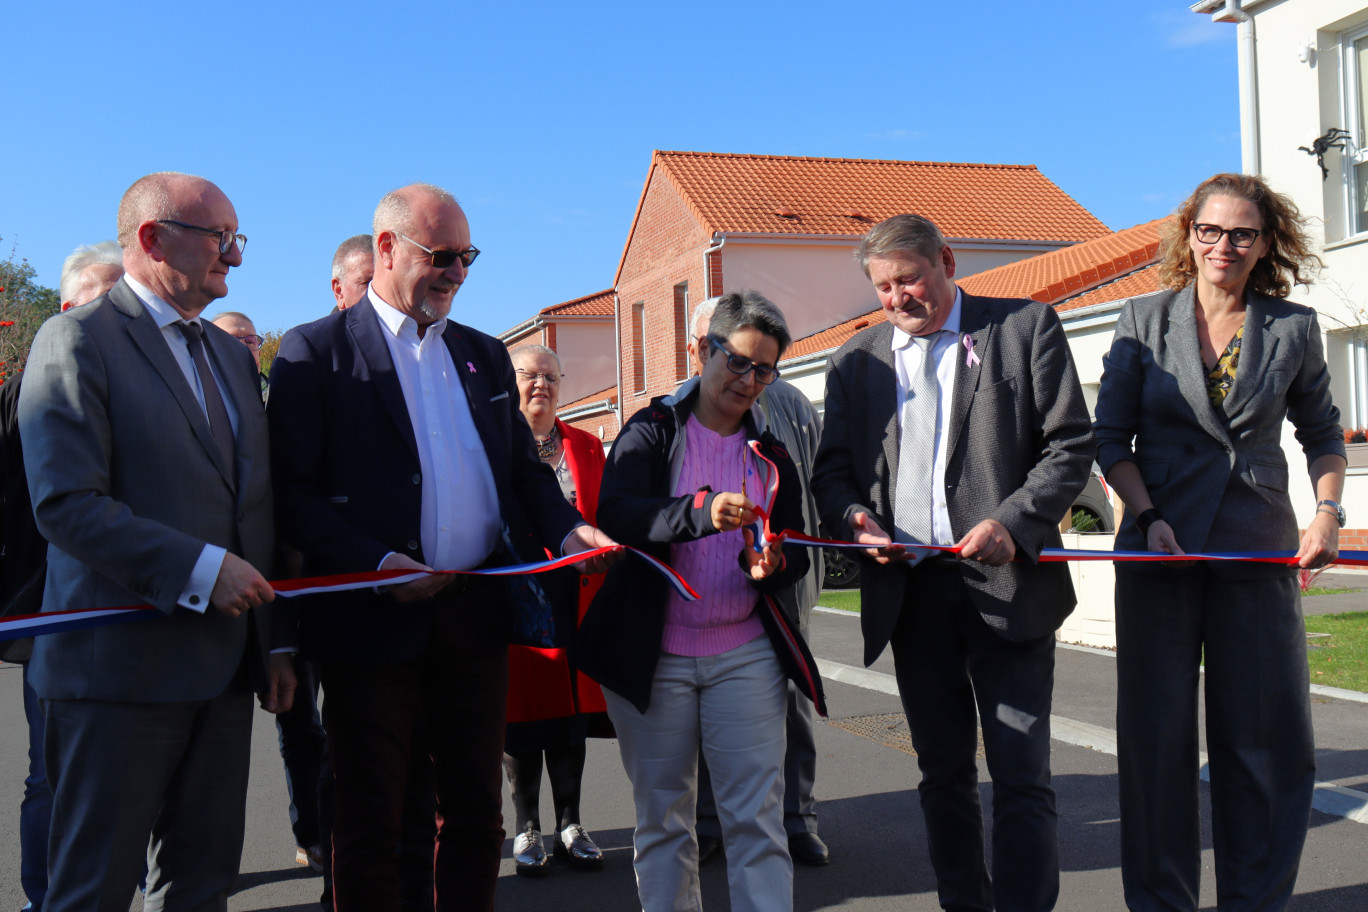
349, 482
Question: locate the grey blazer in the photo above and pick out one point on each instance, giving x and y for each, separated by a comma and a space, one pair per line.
1019, 449
127, 487
1219, 477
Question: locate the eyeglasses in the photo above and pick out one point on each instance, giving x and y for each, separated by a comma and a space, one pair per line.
764, 373
1239, 237
442, 259
226, 238
531, 377
250, 340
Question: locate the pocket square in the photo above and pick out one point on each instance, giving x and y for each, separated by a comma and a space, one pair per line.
503, 395
340, 499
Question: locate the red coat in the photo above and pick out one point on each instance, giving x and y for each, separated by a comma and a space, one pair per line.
540, 682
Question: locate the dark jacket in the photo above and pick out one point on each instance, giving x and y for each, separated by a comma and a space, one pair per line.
618, 643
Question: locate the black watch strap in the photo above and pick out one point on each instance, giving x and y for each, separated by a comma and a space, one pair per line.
1147, 519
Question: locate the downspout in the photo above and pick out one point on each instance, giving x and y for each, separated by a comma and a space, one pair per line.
716, 246
1249, 87
617, 356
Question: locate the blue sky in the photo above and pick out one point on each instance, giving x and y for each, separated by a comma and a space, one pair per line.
541, 117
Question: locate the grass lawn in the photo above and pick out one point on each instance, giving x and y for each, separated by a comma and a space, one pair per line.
844, 599
1321, 590
1342, 661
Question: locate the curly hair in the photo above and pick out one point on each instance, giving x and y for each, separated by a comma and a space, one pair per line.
1289, 260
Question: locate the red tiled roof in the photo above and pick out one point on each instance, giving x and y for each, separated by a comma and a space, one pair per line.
833, 337
842, 196
1059, 274
1140, 282
611, 394
598, 304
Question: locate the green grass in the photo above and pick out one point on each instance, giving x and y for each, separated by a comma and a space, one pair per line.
1321, 590
843, 599
1343, 659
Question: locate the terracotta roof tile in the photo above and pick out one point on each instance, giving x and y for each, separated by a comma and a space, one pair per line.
833, 337
841, 196
598, 304
1142, 281
1061, 274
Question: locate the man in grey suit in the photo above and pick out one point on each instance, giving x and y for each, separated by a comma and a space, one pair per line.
960, 421
146, 452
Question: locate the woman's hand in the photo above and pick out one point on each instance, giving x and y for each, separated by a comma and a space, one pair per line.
1161, 538
1319, 543
761, 564
732, 511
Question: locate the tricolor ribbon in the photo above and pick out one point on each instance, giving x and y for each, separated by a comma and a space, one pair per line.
29, 625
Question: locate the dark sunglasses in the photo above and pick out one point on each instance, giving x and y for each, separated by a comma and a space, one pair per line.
442, 259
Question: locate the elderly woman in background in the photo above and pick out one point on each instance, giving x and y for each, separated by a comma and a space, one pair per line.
552, 708
1189, 426
683, 484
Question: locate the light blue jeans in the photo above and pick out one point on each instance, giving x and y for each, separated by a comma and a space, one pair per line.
732, 704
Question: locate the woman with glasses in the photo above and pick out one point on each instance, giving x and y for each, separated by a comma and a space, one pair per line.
1189, 427
683, 483
552, 708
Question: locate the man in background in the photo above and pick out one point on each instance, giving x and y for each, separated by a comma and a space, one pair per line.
352, 267
241, 327
87, 273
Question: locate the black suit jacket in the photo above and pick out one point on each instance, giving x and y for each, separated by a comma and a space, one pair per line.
1018, 450
349, 488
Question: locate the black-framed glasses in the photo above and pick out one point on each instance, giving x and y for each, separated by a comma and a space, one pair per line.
532, 377
251, 340
442, 259
765, 374
1239, 237
226, 239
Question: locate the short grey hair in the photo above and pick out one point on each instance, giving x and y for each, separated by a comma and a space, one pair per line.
524, 351
147, 199
357, 243
395, 212
703, 311
232, 314
901, 233
749, 309
105, 253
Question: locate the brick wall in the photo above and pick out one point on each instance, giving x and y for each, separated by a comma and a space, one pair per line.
666, 249
592, 424
1353, 539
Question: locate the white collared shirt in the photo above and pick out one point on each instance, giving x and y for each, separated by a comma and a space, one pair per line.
200, 586
907, 361
460, 514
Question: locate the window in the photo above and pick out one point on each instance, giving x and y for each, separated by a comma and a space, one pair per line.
681, 317
1349, 360
639, 347
1356, 113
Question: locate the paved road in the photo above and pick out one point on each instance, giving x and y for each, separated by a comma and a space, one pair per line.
868, 808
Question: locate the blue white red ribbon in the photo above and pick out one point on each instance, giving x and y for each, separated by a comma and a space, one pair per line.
30, 625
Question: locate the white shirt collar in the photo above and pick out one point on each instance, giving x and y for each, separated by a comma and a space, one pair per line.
902, 339
399, 324
162, 312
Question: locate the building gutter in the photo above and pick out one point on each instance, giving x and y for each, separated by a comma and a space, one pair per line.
718, 242
1233, 11
617, 353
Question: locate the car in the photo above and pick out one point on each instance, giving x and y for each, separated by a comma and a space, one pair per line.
842, 568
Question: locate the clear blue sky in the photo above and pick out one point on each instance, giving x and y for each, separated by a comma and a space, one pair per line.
541, 117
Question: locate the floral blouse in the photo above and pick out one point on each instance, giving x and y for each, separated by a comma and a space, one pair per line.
1221, 377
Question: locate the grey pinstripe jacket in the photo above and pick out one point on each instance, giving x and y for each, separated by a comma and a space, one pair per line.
1019, 449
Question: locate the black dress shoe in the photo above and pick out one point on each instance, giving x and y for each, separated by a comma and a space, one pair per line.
709, 847
808, 849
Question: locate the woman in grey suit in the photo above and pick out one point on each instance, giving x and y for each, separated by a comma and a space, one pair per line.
1189, 427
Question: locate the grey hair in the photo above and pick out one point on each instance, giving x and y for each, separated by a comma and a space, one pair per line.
749, 309
147, 199
395, 212
357, 243
523, 351
105, 253
234, 314
901, 233
703, 311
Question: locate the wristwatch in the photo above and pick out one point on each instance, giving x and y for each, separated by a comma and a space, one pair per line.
1334, 509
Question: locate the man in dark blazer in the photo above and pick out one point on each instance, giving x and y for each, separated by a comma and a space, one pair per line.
398, 444
991, 462
146, 452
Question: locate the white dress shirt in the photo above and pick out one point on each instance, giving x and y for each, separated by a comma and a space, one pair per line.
907, 363
460, 516
200, 586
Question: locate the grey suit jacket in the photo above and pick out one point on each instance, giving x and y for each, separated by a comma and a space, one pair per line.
1019, 448
127, 487
1219, 477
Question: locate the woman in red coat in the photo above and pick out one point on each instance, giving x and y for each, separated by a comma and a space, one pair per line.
552, 708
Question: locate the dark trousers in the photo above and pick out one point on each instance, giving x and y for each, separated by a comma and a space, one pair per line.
35, 810
458, 686
800, 768
955, 673
304, 750
1259, 739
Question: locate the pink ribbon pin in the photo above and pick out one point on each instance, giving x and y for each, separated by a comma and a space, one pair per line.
970, 359
471, 365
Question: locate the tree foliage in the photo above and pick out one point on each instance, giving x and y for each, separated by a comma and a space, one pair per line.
270, 344
24, 306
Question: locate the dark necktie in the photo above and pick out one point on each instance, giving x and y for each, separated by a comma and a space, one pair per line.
219, 425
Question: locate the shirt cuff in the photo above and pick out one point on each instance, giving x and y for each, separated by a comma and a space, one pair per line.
570, 533
200, 586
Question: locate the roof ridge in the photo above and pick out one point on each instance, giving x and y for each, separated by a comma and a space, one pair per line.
579, 300
760, 156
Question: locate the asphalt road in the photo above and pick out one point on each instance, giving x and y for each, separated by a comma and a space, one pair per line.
868, 810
